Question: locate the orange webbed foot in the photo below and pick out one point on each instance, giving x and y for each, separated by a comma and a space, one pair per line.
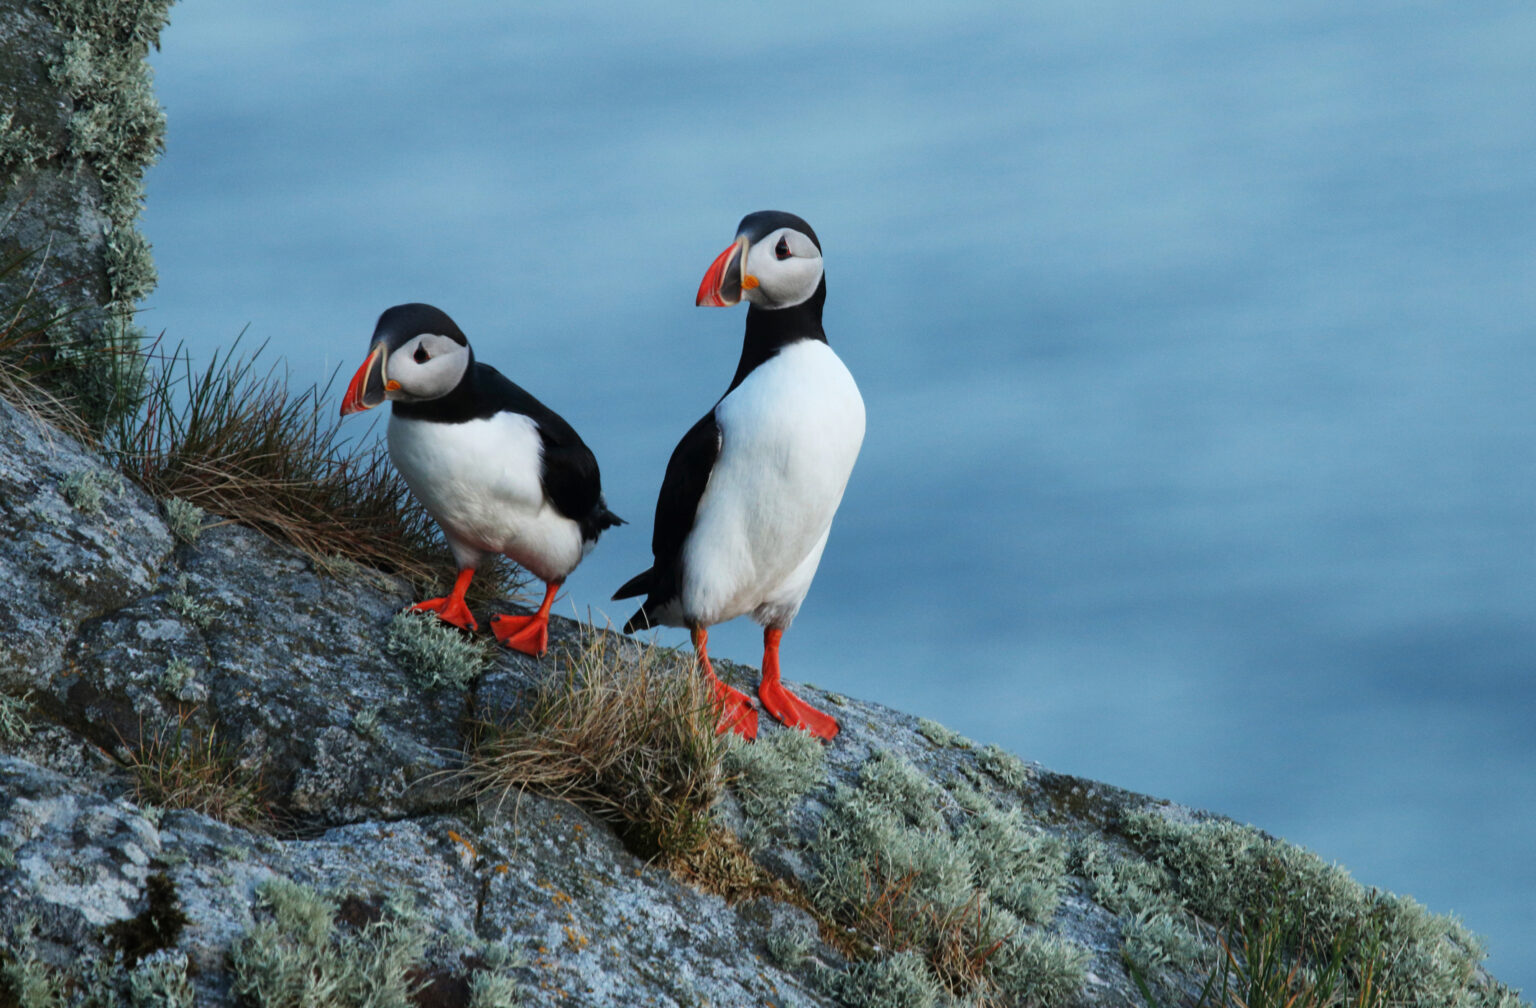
451, 610
734, 707
528, 634
790, 710
778, 701
736, 711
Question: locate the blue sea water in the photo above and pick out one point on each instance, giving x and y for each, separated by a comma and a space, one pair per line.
1197, 345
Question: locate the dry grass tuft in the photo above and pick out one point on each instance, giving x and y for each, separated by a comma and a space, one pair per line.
236, 442
621, 734
723, 865
230, 440
181, 766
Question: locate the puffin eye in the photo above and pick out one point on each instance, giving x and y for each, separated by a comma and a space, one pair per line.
781, 250
421, 356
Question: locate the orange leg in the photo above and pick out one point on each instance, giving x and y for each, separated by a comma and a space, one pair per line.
783, 704
736, 710
528, 634
452, 609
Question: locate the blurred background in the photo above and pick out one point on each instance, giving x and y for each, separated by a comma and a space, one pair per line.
1197, 347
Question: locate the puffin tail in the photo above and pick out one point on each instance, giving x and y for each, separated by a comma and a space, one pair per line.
640, 584
598, 519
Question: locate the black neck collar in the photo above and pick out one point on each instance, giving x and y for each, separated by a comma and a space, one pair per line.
771, 329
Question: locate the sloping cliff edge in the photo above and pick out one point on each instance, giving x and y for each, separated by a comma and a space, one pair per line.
127, 647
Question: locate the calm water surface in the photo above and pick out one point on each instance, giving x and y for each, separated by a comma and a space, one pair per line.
1197, 347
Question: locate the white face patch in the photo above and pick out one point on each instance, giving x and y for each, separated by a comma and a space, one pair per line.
426, 367
787, 266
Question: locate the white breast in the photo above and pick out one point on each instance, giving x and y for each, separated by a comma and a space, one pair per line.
480, 481
790, 434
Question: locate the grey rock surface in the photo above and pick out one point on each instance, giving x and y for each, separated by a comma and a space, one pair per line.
61, 570
113, 634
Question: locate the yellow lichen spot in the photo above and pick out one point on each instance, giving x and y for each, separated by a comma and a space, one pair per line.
502, 868
575, 940
469, 848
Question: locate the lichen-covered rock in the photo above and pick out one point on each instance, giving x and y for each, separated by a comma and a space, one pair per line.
287, 664
65, 562
79, 125
901, 864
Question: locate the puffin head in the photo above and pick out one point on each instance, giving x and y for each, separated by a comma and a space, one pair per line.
417, 353
775, 262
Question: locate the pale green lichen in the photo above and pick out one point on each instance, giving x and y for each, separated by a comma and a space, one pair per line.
297, 957
117, 127
941, 736
788, 949
1005, 766
1230, 874
902, 980
367, 721
434, 652
87, 489
22, 149
492, 990
1039, 969
771, 776
113, 131
1022, 867
14, 725
184, 519
200, 613
25, 979
179, 679
1161, 942
891, 866
1123, 885
160, 981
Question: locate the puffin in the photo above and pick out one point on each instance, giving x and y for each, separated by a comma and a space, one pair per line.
498, 470
747, 501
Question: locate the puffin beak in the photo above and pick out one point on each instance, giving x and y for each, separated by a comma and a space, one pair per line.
368, 386
724, 281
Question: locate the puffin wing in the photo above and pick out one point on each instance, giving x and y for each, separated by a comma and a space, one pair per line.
570, 476
676, 507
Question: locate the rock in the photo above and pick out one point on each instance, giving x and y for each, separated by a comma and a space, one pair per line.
80, 125
365, 862
62, 570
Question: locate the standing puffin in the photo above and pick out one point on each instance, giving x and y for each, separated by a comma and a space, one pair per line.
497, 469
750, 491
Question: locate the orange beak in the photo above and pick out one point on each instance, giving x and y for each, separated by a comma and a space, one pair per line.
723, 282
368, 386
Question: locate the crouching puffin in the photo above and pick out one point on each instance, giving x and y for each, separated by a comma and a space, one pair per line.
750, 491
497, 469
